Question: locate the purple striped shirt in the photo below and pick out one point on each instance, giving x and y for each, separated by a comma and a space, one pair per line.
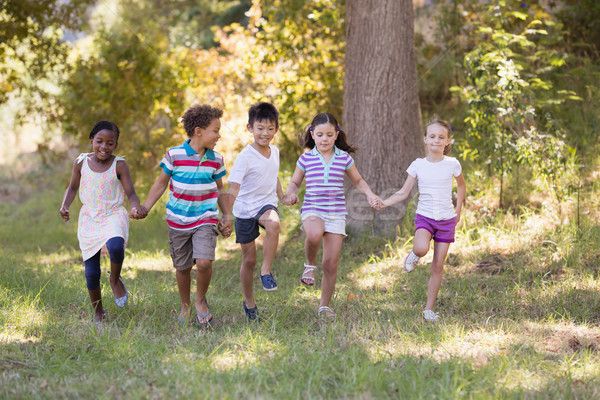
325, 182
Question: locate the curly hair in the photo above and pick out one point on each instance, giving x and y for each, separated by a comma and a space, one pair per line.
199, 116
449, 128
102, 125
306, 140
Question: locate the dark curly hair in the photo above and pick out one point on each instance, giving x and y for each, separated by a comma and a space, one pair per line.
102, 125
341, 142
449, 128
199, 116
263, 112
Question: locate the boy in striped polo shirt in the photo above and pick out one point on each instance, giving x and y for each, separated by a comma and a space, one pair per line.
193, 172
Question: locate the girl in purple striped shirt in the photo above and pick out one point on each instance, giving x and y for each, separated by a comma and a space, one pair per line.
324, 210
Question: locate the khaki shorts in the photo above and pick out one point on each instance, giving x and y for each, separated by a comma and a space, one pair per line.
193, 244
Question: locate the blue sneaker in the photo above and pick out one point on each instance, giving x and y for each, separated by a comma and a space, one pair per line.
251, 313
268, 282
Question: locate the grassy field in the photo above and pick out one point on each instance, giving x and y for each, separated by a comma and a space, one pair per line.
520, 305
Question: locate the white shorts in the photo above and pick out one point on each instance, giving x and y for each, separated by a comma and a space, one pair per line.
333, 224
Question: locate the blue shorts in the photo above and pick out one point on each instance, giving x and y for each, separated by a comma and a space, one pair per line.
247, 229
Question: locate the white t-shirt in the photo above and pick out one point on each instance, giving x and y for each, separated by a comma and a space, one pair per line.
435, 186
257, 177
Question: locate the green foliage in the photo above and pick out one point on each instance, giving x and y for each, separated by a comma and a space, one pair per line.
32, 53
134, 79
509, 90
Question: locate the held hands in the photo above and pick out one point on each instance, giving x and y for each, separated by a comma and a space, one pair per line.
138, 212
64, 213
375, 201
225, 226
290, 199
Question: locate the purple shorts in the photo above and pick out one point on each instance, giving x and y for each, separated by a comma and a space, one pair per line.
441, 231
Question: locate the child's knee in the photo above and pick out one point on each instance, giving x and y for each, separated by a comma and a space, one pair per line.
420, 250
314, 238
116, 249
203, 265
249, 261
92, 276
273, 227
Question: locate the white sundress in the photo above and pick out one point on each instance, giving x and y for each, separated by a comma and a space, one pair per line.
102, 215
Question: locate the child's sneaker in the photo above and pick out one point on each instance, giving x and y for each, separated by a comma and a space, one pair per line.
410, 262
268, 282
431, 316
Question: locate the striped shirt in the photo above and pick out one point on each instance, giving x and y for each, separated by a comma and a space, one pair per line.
325, 181
193, 191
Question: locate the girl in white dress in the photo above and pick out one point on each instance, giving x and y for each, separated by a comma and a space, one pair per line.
102, 179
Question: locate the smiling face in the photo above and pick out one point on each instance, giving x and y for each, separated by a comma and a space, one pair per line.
263, 131
324, 136
104, 143
436, 139
209, 136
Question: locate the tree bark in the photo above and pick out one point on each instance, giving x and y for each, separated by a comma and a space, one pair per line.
382, 115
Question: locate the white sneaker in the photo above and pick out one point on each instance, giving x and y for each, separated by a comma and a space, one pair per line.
410, 262
429, 315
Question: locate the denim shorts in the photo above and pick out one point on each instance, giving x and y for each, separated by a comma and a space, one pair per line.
247, 229
333, 223
192, 244
441, 231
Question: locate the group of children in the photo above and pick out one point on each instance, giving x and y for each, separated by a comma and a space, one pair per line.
194, 174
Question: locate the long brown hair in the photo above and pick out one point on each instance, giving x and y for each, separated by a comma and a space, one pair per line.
444, 125
306, 140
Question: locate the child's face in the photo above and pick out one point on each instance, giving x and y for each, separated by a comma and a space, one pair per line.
436, 139
209, 136
263, 132
103, 144
324, 136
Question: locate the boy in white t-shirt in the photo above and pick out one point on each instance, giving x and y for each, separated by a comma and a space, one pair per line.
254, 191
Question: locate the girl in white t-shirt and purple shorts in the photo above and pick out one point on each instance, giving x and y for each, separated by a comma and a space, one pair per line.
436, 217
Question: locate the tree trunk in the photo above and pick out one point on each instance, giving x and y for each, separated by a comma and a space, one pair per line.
382, 115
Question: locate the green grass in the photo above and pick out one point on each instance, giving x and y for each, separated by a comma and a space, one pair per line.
519, 303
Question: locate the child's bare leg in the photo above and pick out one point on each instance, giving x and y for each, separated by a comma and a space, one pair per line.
332, 246
421, 242
96, 298
183, 285
247, 273
440, 250
270, 220
314, 228
203, 277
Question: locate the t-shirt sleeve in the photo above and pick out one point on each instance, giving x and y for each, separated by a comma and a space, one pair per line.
457, 168
220, 171
238, 171
301, 163
412, 169
349, 161
167, 164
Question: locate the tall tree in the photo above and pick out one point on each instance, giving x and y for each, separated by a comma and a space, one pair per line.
381, 115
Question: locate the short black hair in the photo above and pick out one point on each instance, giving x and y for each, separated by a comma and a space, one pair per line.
263, 111
199, 116
102, 125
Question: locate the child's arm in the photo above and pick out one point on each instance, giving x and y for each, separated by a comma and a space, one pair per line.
125, 177
287, 200
71, 190
156, 191
290, 194
362, 186
461, 190
401, 194
225, 203
226, 200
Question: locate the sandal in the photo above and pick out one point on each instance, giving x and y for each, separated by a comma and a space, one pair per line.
310, 280
327, 312
121, 301
202, 316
